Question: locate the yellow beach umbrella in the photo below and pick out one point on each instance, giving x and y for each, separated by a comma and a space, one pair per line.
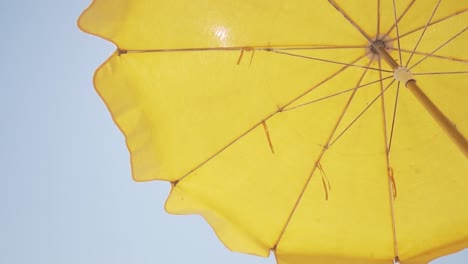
322, 131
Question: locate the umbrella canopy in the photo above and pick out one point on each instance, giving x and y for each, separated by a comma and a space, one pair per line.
288, 126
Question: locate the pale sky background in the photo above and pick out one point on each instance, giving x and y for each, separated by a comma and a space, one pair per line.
66, 193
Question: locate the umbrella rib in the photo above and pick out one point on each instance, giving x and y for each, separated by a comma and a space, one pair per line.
433, 55
432, 23
397, 31
324, 60
390, 178
317, 47
423, 32
336, 94
279, 110
378, 17
384, 116
317, 162
360, 114
440, 73
246, 48
392, 129
401, 16
438, 48
322, 82
350, 20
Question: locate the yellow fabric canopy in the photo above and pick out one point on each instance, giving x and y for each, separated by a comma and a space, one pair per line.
278, 122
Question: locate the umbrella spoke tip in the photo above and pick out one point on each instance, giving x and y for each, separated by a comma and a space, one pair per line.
174, 183
121, 51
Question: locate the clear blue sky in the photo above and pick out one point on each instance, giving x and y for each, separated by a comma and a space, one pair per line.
66, 194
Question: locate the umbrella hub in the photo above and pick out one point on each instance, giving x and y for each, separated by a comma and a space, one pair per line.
403, 74
383, 41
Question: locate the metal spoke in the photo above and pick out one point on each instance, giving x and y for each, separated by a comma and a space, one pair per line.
336, 94
394, 117
347, 17
433, 55
325, 60
432, 23
422, 34
440, 73
390, 180
401, 16
397, 31
438, 48
315, 47
378, 17
384, 116
360, 114
264, 48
